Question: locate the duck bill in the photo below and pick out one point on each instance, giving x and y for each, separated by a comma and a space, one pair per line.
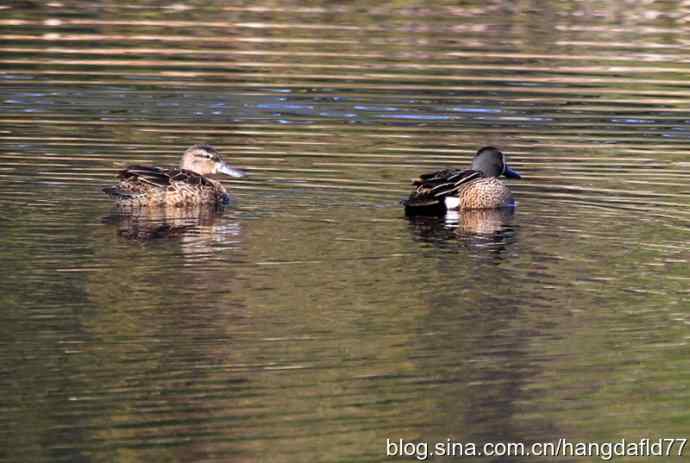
510, 173
227, 169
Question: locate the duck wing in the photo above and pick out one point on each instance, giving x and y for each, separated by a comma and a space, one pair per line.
433, 188
140, 181
154, 176
162, 178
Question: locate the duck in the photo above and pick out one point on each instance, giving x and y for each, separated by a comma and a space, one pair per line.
188, 185
470, 189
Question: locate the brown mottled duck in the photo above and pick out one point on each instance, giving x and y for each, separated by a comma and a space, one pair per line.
187, 185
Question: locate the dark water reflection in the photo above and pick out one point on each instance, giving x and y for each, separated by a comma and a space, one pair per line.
478, 228
311, 320
146, 224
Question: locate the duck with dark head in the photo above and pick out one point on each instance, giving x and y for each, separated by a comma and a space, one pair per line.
475, 188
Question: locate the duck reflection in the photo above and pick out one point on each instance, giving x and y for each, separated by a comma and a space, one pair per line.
482, 228
483, 222
184, 223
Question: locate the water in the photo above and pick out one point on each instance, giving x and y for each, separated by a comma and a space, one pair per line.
311, 321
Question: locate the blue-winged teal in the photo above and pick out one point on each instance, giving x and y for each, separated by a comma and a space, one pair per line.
186, 186
475, 188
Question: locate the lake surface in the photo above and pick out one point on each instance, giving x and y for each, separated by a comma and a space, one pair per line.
311, 320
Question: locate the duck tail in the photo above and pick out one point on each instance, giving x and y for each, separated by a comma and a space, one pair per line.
423, 206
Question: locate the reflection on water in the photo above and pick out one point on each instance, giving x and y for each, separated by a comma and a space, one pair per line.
473, 234
149, 223
312, 320
492, 225
492, 222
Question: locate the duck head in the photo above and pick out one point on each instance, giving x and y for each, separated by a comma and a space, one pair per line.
205, 160
492, 163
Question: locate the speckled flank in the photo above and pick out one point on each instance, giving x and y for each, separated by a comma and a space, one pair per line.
177, 194
485, 193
